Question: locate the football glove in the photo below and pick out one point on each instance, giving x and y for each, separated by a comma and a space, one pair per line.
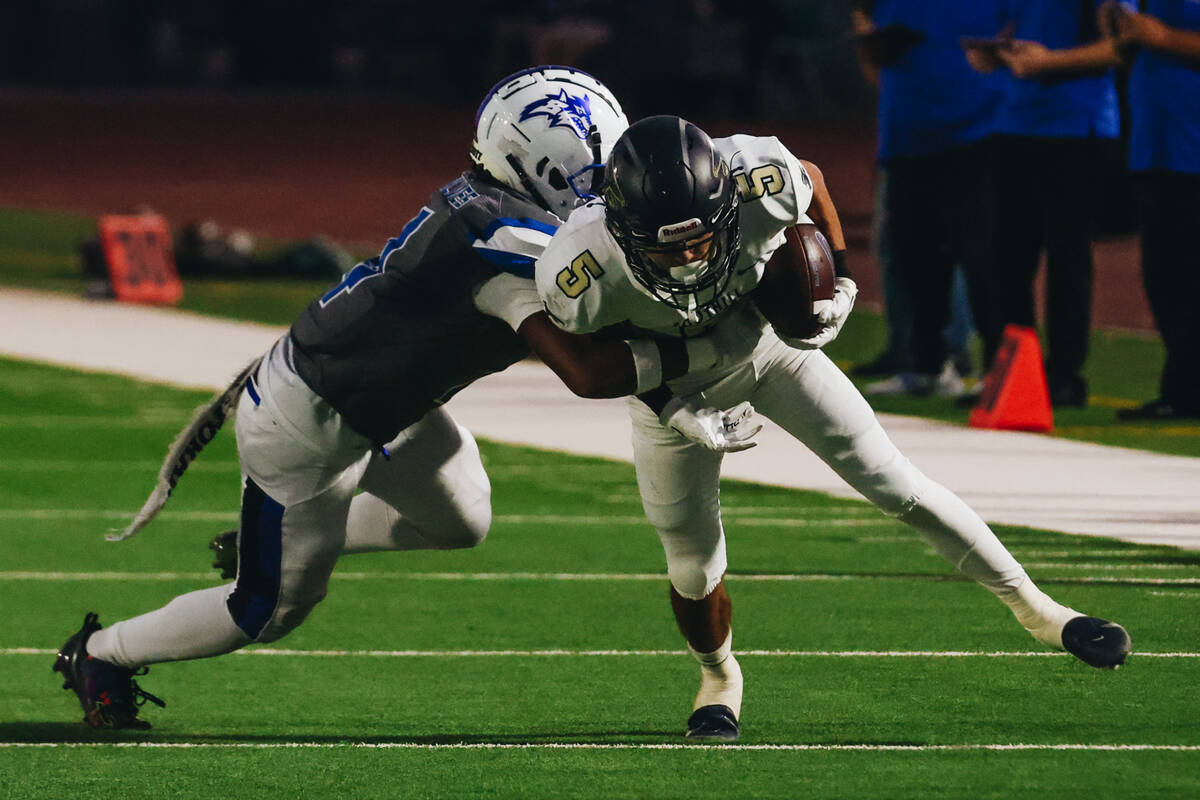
831, 314
720, 431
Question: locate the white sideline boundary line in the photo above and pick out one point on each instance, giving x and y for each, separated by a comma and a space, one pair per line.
271, 651
901, 748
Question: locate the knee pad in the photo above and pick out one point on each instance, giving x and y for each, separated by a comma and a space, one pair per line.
696, 558
695, 582
468, 528
470, 515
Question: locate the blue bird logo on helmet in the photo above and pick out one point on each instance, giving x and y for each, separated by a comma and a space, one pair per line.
546, 132
563, 110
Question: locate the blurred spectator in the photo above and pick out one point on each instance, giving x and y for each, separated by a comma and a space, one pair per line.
934, 111
1058, 119
895, 360
1164, 107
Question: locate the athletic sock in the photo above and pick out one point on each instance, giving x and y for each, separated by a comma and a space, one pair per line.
720, 678
193, 625
1038, 613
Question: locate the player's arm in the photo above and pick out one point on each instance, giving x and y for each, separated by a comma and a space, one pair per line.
823, 213
1029, 59
589, 365
594, 367
1148, 31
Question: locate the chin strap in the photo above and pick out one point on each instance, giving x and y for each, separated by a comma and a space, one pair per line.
527, 182
593, 139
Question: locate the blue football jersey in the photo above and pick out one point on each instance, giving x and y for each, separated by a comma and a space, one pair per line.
400, 334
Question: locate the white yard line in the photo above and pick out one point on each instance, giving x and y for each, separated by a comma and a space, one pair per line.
1132, 565
594, 577
283, 652
352, 745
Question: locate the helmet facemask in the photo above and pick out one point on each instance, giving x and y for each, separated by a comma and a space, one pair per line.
688, 274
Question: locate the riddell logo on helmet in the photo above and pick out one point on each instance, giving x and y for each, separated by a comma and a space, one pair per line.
680, 230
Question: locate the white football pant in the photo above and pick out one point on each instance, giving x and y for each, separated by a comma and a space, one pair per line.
808, 396
302, 466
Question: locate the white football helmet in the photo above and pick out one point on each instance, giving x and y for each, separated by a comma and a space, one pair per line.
546, 133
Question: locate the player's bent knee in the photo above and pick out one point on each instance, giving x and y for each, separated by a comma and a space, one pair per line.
288, 617
695, 573
467, 531
693, 585
693, 542
465, 526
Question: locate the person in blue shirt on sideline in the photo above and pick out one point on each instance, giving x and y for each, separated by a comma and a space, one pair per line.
893, 366
1164, 153
934, 114
1058, 123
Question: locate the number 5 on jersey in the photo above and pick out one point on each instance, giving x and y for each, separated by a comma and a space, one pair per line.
575, 279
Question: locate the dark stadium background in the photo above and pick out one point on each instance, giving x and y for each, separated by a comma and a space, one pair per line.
297, 118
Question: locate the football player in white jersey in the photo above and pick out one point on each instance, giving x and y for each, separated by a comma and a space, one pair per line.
676, 246
350, 398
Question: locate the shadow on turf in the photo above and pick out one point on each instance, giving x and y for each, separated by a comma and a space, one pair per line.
79, 733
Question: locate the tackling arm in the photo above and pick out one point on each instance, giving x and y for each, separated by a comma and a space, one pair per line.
593, 367
590, 365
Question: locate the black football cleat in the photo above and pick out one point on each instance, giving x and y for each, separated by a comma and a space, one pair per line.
1096, 641
225, 556
109, 695
715, 723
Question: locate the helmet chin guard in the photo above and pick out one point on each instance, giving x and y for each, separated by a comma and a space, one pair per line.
546, 132
673, 208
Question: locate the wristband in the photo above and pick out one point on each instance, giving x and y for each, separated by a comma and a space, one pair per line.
647, 364
839, 264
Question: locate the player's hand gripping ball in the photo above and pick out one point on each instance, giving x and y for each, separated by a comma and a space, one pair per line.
796, 282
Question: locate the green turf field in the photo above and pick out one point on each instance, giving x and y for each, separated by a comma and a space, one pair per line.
545, 663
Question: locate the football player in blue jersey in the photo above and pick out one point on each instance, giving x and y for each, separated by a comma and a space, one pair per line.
350, 398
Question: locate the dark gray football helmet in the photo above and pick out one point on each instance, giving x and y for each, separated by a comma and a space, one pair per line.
673, 209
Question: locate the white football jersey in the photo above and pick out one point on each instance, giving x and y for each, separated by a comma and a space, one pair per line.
584, 279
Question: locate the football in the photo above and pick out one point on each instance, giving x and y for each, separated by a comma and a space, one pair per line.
798, 274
